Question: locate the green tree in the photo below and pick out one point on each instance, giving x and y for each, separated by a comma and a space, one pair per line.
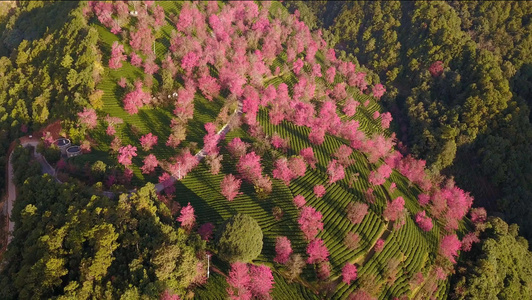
239, 239
499, 267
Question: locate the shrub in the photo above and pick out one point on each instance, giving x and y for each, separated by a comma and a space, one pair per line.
239, 239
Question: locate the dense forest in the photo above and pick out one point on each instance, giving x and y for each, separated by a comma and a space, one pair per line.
48, 67
70, 242
458, 80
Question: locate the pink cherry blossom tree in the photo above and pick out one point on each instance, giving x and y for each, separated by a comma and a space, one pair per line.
210, 140
88, 118
379, 176
378, 90
278, 142
187, 217
379, 245
316, 70
117, 56
208, 86
342, 154
350, 107
136, 99
352, 240
147, 141
356, 211
299, 201
349, 273
335, 171
310, 222
423, 199
230, 187
282, 171
249, 167
298, 65
190, 61
125, 154
184, 163
135, 59
308, 156
317, 251
394, 209
478, 215
110, 131
449, 247
150, 163
468, 240
168, 295
283, 249
436, 69
386, 119
330, 74
237, 147
324, 270
239, 282
150, 67
168, 183
261, 281
423, 221
319, 190
297, 166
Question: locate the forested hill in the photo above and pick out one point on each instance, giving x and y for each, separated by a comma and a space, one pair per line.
48, 67
458, 79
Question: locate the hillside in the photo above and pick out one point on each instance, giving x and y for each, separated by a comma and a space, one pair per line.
234, 108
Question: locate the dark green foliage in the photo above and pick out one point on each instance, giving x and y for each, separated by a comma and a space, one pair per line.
52, 153
239, 239
24, 166
69, 243
500, 266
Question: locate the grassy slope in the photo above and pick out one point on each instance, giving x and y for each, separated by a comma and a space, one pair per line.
202, 189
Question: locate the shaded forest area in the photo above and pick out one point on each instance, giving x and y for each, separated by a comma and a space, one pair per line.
459, 81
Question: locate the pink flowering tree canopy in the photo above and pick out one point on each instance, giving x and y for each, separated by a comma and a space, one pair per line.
436, 69
125, 154
249, 167
423, 221
308, 156
187, 217
335, 171
282, 171
349, 273
299, 201
449, 247
378, 90
148, 141
261, 281
150, 163
230, 187
239, 281
88, 118
319, 190
283, 249
310, 222
356, 211
394, 209
379, 245
317, 252
237, 147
